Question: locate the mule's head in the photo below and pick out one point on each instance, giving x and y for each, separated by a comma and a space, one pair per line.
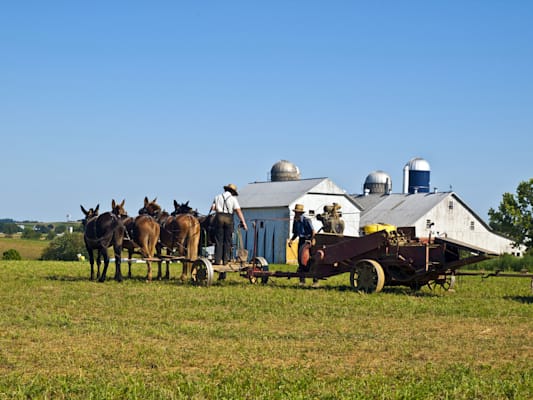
182, 208
118, 209
151, 208
91, 213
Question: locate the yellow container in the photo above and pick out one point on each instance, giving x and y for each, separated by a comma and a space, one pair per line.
371, 228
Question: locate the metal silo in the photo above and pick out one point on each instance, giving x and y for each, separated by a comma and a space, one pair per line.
378, 182
284, 170
416, 176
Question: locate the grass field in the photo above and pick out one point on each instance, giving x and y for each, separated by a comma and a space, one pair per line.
28, 249
64, 337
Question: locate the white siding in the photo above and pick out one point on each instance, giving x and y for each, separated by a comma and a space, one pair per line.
272, 230
452, 219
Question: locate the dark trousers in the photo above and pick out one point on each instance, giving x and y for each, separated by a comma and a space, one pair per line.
223, 237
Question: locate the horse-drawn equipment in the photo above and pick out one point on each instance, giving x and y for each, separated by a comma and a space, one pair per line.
382, 258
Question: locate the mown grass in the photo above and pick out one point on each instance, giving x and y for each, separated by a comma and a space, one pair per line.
64, 337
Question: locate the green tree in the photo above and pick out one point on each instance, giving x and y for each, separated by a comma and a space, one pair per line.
29, 233
514, 217
60, 228
9, 228
11, 254
65, 248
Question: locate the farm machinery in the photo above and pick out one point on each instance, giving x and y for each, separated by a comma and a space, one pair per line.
387, 257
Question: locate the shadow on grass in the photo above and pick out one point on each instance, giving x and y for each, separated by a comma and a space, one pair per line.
64, 278
272, 282
520, 299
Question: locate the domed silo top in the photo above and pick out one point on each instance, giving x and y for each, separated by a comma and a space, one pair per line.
419, 175
418, 164
284, 170
378, 182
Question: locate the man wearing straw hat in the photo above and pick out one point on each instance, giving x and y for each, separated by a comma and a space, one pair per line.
225, 204
302, 228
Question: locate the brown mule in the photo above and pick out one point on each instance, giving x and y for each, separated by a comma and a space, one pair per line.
180, 234
142, 235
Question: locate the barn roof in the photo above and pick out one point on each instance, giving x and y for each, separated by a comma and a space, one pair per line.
403, 209
284, 193
397, 209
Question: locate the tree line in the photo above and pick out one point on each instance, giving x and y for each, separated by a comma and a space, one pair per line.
514, 216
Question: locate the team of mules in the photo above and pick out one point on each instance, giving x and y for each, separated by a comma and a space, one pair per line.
179, 235
147, 234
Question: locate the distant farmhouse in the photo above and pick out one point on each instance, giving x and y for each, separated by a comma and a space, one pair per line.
268, 207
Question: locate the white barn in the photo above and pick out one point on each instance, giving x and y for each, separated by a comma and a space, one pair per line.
439, 214
267, 208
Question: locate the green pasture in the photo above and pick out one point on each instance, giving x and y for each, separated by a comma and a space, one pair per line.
28, 249
65, 337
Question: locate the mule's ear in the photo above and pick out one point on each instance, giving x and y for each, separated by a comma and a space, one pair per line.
176, 205
113, 204
96, 209
154, 200
122, 204
146, 201
84, 210
187, 204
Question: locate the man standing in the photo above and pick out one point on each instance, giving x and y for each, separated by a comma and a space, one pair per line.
302, 228
225, 204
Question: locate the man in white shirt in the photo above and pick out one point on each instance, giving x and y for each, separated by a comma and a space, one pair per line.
225, 204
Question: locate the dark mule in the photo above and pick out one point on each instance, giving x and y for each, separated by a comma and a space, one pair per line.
142, 235
103, 231
180, 234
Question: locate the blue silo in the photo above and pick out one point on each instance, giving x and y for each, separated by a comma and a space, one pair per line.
419, 171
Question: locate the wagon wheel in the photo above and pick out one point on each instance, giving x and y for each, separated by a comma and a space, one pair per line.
259, 264
202, 272
444, 283
367, 276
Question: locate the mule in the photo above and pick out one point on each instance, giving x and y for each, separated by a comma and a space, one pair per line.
102, 231
179, 234
207, 224
142, 237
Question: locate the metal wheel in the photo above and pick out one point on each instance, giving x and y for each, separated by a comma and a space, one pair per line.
259, 264
202, 272
443, 283
367, 276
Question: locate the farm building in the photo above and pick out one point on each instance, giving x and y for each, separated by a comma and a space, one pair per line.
269, 205
436, 214
431, 213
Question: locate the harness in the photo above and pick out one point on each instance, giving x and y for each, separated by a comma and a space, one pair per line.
174, 232
98, 241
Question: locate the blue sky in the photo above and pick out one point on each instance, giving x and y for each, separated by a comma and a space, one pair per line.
107, 100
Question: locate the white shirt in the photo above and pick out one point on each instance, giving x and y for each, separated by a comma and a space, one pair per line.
226, 203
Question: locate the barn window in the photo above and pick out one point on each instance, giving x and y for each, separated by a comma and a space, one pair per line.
428, 224
450, 205
472, 226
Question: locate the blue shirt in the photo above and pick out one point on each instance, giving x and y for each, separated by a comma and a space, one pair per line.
302, 228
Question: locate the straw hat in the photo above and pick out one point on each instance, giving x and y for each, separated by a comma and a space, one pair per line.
299, 208
231, 188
